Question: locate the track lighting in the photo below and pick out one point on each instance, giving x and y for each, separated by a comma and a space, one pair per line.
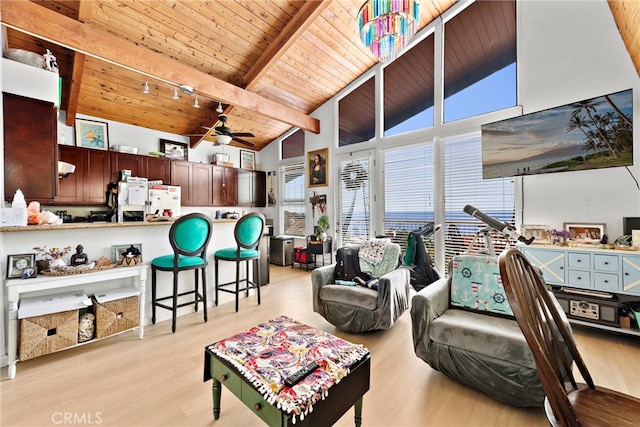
219, 109
175, 93
146, 87
195, 104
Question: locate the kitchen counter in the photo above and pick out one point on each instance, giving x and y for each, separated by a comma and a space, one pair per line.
93, 225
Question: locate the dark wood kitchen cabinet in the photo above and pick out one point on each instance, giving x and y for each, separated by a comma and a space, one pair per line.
195, 181
152, 168
88, 184
225, 186
252, 188
30, 148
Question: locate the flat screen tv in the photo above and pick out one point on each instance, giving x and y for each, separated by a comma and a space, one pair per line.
590, 134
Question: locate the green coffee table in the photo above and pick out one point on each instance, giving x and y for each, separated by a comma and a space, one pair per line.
239, 363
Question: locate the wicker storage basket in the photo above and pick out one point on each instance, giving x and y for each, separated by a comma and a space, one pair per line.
116, 316
40, 335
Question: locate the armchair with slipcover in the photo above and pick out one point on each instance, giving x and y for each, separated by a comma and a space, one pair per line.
360, 308
486, 352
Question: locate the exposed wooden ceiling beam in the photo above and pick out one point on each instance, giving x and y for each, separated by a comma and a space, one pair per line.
38, 21
85, 10
285, 39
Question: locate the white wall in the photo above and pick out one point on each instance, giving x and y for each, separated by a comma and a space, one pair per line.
570, 51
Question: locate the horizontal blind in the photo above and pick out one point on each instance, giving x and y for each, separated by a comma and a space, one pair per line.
408, 190
464, 186
293, 200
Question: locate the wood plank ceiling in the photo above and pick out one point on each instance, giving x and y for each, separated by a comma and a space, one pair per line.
271, 63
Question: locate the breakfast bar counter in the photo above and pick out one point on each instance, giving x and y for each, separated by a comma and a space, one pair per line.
94, 225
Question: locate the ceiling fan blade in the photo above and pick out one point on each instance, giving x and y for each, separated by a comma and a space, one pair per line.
242, 134
242, 141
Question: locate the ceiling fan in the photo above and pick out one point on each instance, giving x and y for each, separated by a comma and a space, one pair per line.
224, 135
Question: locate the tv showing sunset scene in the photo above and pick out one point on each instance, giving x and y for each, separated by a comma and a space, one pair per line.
590, 134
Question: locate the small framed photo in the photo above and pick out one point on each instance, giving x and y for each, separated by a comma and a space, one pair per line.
587, 233
174, 150
318, 164
247, 160
118, 251
92, 134
538, 232
17, 265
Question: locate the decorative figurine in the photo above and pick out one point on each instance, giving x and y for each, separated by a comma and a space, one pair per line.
79, 258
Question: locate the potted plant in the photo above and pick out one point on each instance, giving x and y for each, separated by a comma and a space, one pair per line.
322, 225
52, 258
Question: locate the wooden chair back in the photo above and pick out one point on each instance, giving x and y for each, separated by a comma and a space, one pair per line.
544, 330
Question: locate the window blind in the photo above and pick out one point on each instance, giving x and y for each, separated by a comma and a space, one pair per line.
464, 186
409, 193
293, 201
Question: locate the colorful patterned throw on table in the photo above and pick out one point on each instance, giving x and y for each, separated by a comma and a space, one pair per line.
272, 351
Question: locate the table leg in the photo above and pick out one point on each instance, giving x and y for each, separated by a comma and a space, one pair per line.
216, 389
358, 411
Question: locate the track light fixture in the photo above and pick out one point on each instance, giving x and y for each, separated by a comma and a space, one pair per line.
175, 94
195, 104
146, 87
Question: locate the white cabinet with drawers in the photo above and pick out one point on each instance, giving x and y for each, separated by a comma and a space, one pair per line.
604, 270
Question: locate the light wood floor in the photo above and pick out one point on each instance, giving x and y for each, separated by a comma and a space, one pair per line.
123, 381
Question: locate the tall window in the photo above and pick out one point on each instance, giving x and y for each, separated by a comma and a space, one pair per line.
464, 186
408, 90
293, 200
479, 60
357, 114
409, 194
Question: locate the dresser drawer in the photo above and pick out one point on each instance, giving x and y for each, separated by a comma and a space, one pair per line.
254, 401
605, 262
225, 375
579, 260
579, 278
606, 281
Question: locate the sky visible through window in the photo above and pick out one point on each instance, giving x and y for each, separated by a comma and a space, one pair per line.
495, 92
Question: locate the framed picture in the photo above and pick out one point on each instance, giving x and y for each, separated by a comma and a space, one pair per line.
118, 251
17, 265
92, 134
539, 232
579, 232
318, 171
174, 150
247, 160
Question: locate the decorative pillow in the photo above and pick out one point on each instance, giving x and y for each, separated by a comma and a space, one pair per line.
390, 253
476, 285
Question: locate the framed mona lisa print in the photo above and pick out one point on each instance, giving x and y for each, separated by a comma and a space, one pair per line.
318, 168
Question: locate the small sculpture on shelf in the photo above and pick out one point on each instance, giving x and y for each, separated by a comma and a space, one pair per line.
79, 258
132, 256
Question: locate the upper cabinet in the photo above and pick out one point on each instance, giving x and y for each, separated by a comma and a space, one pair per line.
30, 148
152, 168
88, 184
225, 186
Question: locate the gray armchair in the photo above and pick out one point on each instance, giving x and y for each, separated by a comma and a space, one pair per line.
485, 352
356, 308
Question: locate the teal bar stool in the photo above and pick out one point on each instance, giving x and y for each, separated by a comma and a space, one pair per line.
189, 237
248, 232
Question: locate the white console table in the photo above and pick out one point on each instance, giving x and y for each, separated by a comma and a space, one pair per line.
593, 269
18, 287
